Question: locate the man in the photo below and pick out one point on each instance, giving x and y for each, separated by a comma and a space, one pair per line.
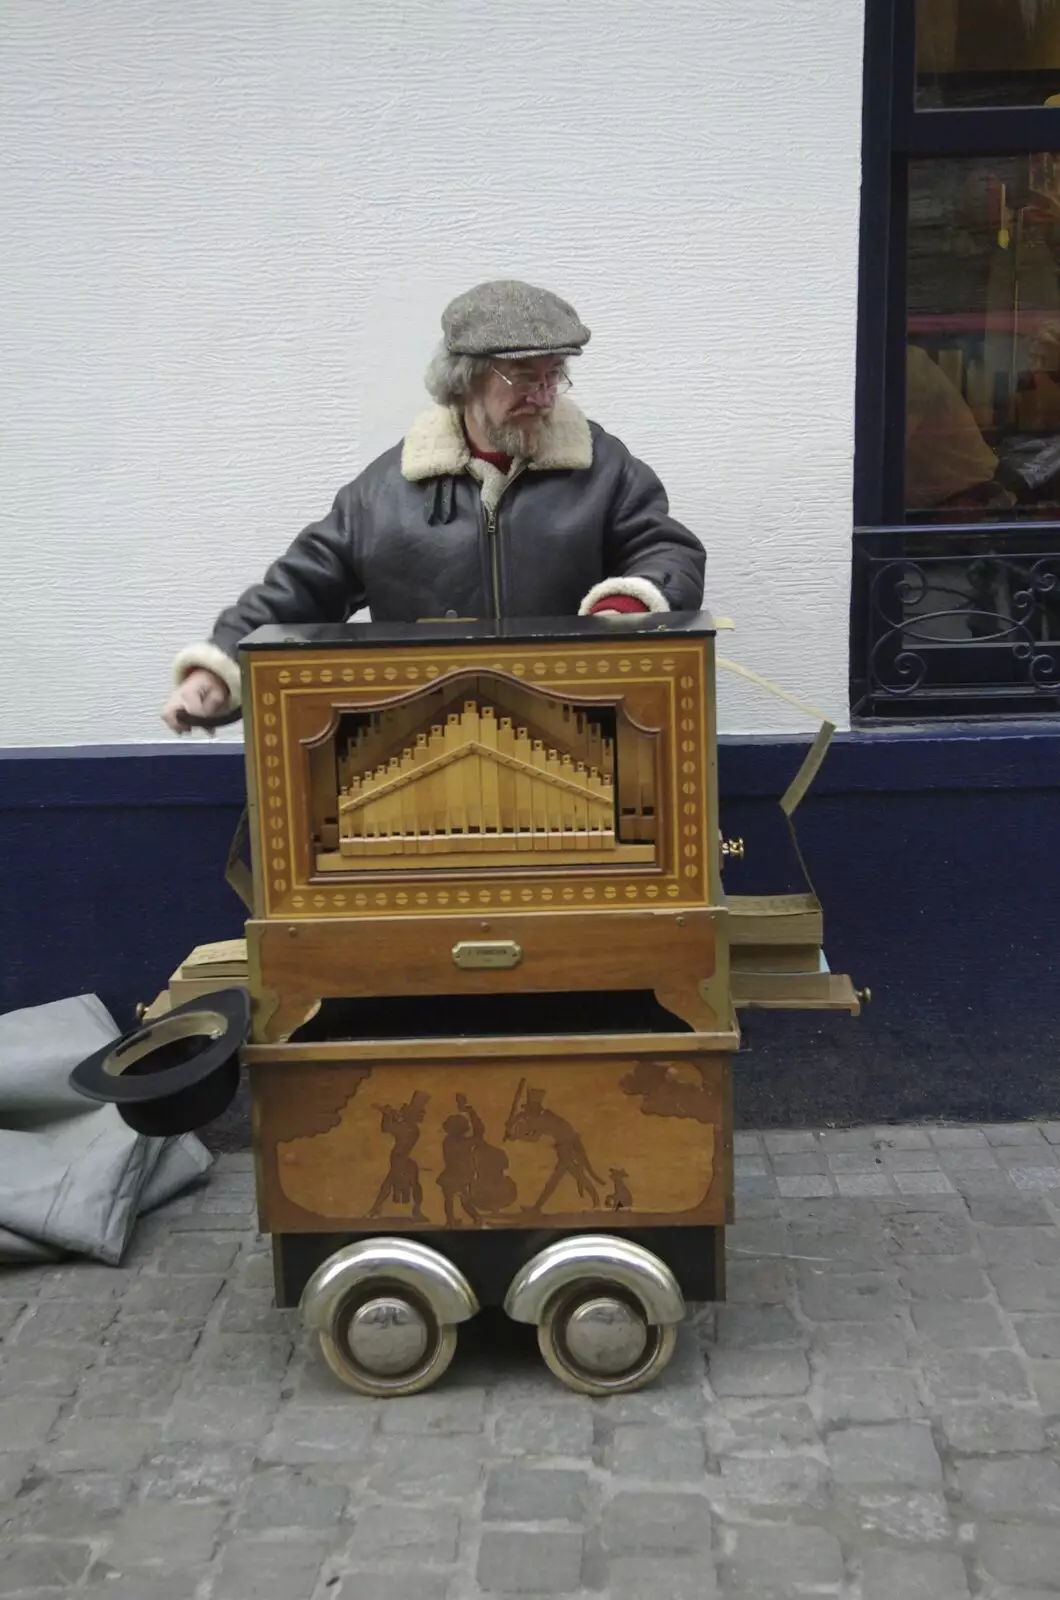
502, 500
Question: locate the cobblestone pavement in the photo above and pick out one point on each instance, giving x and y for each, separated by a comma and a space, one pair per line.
874, 1414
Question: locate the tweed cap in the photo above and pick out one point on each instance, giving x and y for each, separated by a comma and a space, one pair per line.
507, 318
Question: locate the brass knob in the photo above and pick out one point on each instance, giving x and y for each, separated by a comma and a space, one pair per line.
733, 848
864, 996
141, 1011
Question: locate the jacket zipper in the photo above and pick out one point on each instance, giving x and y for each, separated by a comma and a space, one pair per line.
491, 530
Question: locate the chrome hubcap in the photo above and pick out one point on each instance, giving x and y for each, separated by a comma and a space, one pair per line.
605, 1336
387, 1335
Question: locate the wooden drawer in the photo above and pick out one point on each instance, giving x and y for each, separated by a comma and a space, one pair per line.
576, 1132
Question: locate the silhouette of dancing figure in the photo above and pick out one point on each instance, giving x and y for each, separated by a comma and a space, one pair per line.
531, 1122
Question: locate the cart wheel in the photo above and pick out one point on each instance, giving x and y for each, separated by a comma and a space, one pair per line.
597, 1339
383, 1340
606, 1311
385, 1312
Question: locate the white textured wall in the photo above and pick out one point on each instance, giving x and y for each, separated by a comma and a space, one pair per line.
229, 229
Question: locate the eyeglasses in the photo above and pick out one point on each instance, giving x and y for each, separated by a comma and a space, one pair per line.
525, 383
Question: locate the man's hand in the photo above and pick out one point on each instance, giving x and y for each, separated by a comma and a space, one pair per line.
202, 694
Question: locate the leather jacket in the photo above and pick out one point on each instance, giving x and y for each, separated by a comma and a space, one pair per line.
427, 530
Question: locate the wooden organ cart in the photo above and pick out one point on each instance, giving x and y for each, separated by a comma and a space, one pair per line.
490, 963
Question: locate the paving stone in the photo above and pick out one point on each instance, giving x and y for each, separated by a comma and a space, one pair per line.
302, 1436
859, 1346
958, 1138
967, 1159
66, 1322
922, 1160
767, 1482
557, 1429
979, 1182
854, 1161
434, 1469
10, 1311
1050, 1131
902, 1138
177, 1303
1026, 1288
29, 1374
769, 1427
833, 1139
867, 1183
1014, 1211
972, 1377
943, 1278
747, 1144
935, 1233
421, 1535
867, 1396
805, 1186
903, 1575
101, 1444
847, 1297
907, 1516
749, 1166
29, 1569
751, 1373
759, 1283
536, 1494
450, 1411
1038, 1154
658, 1454
196, 1475
25, 1424
761, 1185
1045, 1380
139, 1392
753, 1327
924, 1184
1027, 1486
1031, 1178
254, 1313
285, 1497
71, 1506
513, 1562
656, 1577
987, 1430
806, 1163
148, 1343
258, 1568
1009, 1133
189, 1254
644, 1524
785, 1561
959, 1324
891, 1452
174, 1586
1016, 1247
14, 1469
1020, 1552
216, 1416
395, 1584
1039, 1335
783, 1143
238, 1358
155, 1538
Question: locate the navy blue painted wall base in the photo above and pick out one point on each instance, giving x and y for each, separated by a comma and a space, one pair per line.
934, 854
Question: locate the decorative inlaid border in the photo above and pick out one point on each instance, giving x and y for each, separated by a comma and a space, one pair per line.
281, 682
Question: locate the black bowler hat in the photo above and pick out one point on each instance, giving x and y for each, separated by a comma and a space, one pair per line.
177, 1073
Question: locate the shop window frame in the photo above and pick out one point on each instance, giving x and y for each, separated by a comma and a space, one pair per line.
985, 677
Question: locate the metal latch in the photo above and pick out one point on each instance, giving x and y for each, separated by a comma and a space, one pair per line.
482, 954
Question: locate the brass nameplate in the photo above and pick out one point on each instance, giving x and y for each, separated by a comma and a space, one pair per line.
481, 954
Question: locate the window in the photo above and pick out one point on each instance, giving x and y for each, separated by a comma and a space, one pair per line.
956, 597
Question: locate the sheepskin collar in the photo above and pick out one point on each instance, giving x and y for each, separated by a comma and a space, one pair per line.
435, 445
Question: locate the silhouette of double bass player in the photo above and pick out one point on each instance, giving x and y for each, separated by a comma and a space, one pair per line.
473, 1171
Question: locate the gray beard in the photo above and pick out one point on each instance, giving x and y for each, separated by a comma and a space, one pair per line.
508, 438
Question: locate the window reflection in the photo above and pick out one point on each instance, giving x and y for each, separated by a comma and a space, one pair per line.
987, 52
983, 369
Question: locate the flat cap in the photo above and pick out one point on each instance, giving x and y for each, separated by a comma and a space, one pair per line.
507, 318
